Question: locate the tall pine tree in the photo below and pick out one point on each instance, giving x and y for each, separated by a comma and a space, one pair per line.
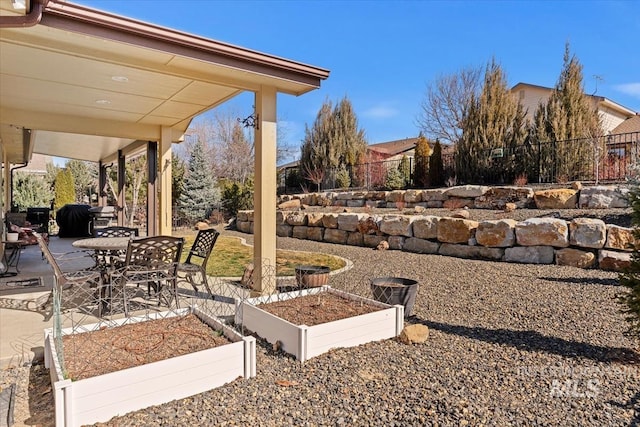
495, 119
64, 189
421, 169
334, 141
567, 115
200, 194
436, 168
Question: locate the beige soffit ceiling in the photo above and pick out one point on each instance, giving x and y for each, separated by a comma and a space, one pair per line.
88, 83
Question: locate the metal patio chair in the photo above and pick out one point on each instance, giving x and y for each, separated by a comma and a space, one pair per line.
151, 261
196, 262
79, 290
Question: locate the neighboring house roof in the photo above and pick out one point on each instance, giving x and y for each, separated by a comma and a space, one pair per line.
598, 99
630, 125
37, 164
389, 148
394, 147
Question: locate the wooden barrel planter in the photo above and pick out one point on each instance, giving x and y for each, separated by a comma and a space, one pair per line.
395, 290
312, 276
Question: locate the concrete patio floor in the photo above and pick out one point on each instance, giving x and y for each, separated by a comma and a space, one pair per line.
22, 331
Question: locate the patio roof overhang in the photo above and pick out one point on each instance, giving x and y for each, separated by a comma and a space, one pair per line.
83, 84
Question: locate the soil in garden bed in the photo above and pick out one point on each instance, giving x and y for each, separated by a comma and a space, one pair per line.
316, 309
108, 350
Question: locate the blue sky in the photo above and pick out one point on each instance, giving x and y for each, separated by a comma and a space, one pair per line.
382, 54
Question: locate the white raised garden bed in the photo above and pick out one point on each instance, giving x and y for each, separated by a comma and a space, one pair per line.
305, 342
103, 397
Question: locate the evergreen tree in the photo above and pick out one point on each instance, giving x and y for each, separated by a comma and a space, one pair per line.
495, 119
200, 194
178, 170
334, 140
85, 178
567, 115
30, 191
64, 189
421, 169
631, 277
405, 170
436, 168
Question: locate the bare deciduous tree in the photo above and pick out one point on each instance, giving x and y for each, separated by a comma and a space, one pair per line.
446, 103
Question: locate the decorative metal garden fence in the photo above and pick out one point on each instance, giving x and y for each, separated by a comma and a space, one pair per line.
609, 158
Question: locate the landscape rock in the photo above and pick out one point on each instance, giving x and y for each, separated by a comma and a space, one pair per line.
425, 227
620, 238
372, 241
395, 196
244, 226
247, 277
613, 261
498, 197
355, 239
397, 225
314, 219
420, 246
434, 195
557, 198
414, 334
395, 242
413, 196
510, 207
368, 225
330, 220
529, 254
603, 197
587, 233
284, 230
543, 232
575, 258
315, 233
299, 232
466, 191
496, 233
461, 213
333, 235
290, 204
382, 246
297, 218
576, 185
455, 230
357, 203
350, 222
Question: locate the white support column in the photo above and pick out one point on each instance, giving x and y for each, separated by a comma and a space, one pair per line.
164, 174
264, 200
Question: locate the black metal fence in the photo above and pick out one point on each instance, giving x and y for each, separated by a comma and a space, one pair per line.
610, 158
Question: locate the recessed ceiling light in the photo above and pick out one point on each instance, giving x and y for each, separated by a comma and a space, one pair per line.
121, 79
103, 101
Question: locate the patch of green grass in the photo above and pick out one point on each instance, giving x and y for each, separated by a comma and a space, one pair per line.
230, 257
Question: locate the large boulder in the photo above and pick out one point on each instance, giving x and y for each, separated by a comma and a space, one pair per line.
297, 218
425, 227
496, 233
413, 196
603, 197
557, 198
454, 230
284, 230
396, 242
613, 261
575, 258
529, 254
372, 241
300, 232
355, 239
420, 246
498, 197
543, 232
333, 235
314, 219
466, 191
330, 220
457, 203
434, 195
395, 196
587, 233
315, 233
620, 238
349, 222
397, 225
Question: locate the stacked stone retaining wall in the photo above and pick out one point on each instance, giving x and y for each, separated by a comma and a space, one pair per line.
472, 196
581, 242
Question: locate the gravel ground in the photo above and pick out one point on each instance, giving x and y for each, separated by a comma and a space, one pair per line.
510, 344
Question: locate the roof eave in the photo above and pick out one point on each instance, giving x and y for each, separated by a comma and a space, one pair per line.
72, 17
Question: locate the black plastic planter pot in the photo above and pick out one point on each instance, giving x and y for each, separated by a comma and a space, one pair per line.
312, 276
395, 290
